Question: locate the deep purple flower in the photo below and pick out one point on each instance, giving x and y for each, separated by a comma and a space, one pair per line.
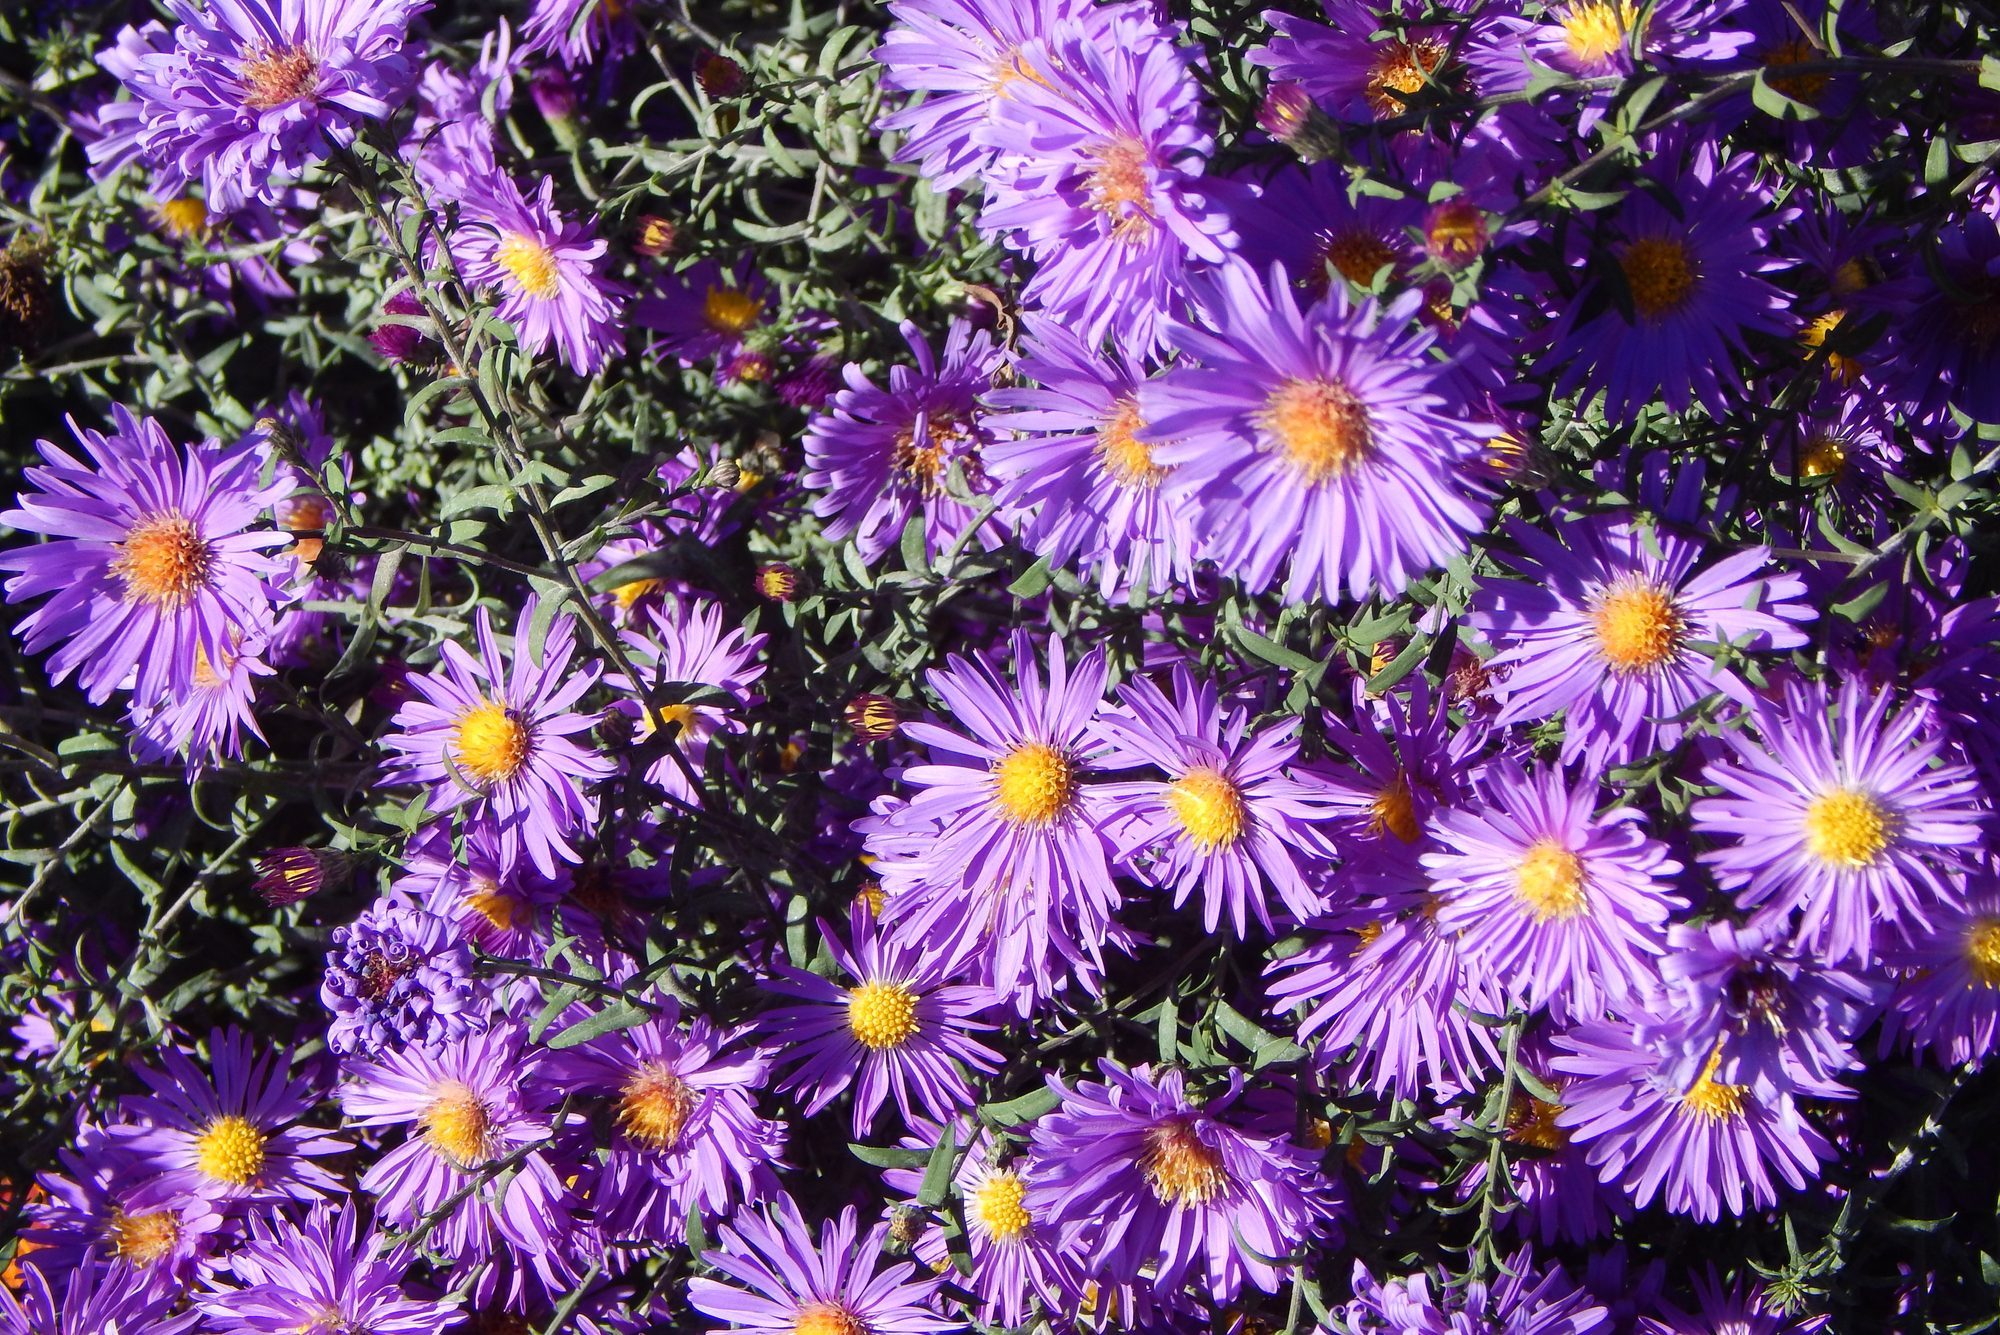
681, 647
1735, 1309
1939, 350
399, 975
154, 566
1947, 995
704, 311
318, 1274
398, 342
497, 903
93, 1300
250, 93
1524, 1300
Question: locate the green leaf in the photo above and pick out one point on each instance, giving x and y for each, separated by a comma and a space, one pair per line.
1399, 666
880, 1156
916, 551
937, 1177
1272, 652
1032, 581
1023, 1109
1774, 102
618, 1015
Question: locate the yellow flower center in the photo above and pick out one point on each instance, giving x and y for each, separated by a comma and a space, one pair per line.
1401, 69
458, 1125
1321, 425
925, 466
1659, 273
1638, 627
142, 1239
997, 1205
1395, 810
1356, 254
1128, 459
1982, 950
1456, 233
1823, 456
206, 678
1530, 1121
1596, 30
1806, 88
1367, 934
531, 264
1181, 1168
882, 1015
1710, 1099
1549, 882
1841, 367
1120, 187
1033, 784
490, 742
730, 310
827, 1319
629, 593
231, 1150
164, 560
275, 77
1209, 806
486, 898
1846, 828
182, 218
653, 1106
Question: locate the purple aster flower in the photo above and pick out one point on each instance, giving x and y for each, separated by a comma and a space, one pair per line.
902, 1027
105, 1204
399, 975
549, 272
1350, 74
395, 338
1134, 1172
1077, 475
1669, 310
1524, 1300
250, 93
775, 1281
1304, 219
497, 743
1734, 1309
94, 1300
152, 566
1230, 817
496, 903
1388, 989
578, 31
1697, 1145
1020, 864
467, 1104
1940, 345
1100, 178
1410, 761
1606, 625
1559, 905
207, 722
319, 1274
1947, 994
687, 1139
704, 311
1593, 38
681, 647
882, 456
1848, 819
234, 1136
1319, 441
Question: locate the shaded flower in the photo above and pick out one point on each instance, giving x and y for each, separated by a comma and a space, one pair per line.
1946, 1000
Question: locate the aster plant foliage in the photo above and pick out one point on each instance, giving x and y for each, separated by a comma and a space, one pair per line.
1010, 666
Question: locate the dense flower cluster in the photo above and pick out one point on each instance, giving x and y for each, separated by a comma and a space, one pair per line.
1346, 686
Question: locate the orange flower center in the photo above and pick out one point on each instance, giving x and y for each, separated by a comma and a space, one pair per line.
1180, 1166
653, 1106
278, 76
1402, 69
1128, 459
164, 560
1660, 274
1638, 627
1321, 426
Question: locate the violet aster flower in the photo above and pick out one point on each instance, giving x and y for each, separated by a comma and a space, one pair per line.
1230, 818
775, 1281
902, 1027
704, 311
1594, 38
682, 647
1020, 865
499, 904
1939, 350
1699, 1146
1410, 761
1670, 311
153, 565
578, 31
319, 1273
1077, 475
1134, 1172
883, 455
1735, 1309
252, 92
207, 722
497, 742
1947, 994
1558, 904
1524, 1300
687, 1138
232, 1136
1303, 218
1847, 819
465, 1104
1351, 75
1319, 440
1100, 178
106, 1205
548, 271
1605, 626
399, 975
93, 1300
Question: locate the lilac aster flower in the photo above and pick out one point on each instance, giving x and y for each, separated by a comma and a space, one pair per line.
318, 1274
704, 312
549, 272
1410, 760
1230, 818
1525, 1300
1606, 625
207, 723
106, 1206
687, 1136
681, 647
1947, 995
775, 1281
903, 1027
399, 975
1848, 819
1133, 1171
1020, 865
233, 1137
578, 31
1353, 76
94, 1300
498, 742
153, 565
1558, 904
1699, 1146
1594, 38
252, 92
1077, 474
1320, 440
881, 456
1734, 1309
1669, 313
489, 900
466, 1104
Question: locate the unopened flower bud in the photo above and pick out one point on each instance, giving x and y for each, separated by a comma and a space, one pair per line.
719, 76
1455, 232
398, 342
1289, 115
288, 875
653, 236
725, 475
874, 718
778, 582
